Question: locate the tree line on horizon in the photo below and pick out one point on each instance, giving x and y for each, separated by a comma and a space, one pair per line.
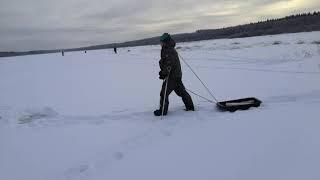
304, 22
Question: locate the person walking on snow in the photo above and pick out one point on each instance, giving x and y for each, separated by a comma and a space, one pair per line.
170, 72
115, 49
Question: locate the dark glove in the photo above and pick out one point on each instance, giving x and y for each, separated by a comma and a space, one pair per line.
161, 75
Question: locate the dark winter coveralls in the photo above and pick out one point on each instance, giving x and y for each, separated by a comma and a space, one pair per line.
170, 65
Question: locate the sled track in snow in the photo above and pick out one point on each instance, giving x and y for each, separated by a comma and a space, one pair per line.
259, 70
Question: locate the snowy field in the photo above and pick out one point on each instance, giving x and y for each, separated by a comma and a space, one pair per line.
90, 116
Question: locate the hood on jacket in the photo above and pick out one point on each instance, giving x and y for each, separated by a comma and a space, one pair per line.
169, 44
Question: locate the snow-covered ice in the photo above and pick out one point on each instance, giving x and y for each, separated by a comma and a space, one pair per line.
89, 116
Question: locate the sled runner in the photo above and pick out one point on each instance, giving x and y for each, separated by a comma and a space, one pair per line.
238, 104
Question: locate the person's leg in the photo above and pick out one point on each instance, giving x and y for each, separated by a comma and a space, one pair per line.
170, 88
180, 90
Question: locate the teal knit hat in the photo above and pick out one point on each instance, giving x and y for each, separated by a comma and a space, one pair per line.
165, 37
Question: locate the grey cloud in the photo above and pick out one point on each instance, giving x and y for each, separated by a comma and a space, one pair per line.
38, 24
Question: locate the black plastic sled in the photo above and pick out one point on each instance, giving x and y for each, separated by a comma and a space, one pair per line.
238, 104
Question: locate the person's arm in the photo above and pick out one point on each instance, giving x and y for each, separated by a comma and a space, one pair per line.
167, 63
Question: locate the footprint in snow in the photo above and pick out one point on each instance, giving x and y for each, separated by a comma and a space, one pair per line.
76, 170
32, 115
118, 155
166, 133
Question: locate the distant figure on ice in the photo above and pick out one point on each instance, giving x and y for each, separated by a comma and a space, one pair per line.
170, 72
115, 49
62, 53
85, 51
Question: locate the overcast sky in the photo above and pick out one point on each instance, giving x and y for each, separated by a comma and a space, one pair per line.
52, 24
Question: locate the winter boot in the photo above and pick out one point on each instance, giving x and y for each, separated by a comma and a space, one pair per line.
158, 112
191, 108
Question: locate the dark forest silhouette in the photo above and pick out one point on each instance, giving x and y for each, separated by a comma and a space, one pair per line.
305, 22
